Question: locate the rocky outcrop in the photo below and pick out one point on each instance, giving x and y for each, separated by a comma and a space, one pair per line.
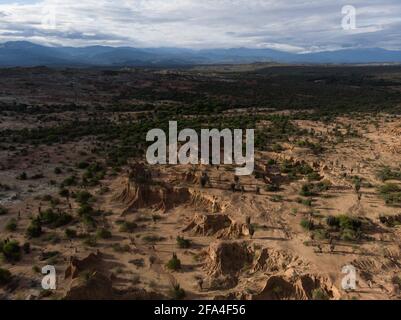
227, 257
302, 287
272, 261
219, 225
90, 279
161, 197
224, 262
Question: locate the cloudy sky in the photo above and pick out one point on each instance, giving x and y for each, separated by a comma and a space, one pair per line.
290, 25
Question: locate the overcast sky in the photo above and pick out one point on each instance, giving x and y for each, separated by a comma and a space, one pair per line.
290, 25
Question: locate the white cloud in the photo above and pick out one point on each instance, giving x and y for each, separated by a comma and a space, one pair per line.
291, 25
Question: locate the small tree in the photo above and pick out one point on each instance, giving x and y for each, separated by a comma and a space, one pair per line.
177, 293
174, 263
11, 251
35, 229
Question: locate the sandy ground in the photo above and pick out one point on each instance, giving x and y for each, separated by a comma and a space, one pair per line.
275, 217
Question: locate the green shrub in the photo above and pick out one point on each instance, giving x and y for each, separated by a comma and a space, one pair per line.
174, 263
82, 165
103, 234
36, 269
183, 243
70, 233
332, 221
307, 190
320, 294
276, 198
54, 202
314, 176
34, 230
153, 239
306, 202
277, 148
3, 211
22, 176
391, 193
310, 190
90, 241
50, 255
177, 293
5, 276
47, 197
387, 173
85, 209
128, 227
349, 235
70, 181
54, 219
26, 247
11, 251
350, 227
307, 224
323, 185
83, 197
320, 234
88, 221
346, 222
48, 216
62, 220
389, 188
11, 225
65, 193
156, 218
272, 188
119, 248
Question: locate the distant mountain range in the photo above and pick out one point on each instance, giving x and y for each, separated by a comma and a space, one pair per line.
25, 54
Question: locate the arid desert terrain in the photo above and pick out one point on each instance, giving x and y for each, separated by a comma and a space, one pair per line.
77, 193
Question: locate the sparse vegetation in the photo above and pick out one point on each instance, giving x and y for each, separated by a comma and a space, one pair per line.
386, 173
307, 224
71, 233
54, 219
11, 225
3, 211
103, 234
391, 193
128, 227
183, 243
10, 250
34, 229
174, 263
308, 128
177, 293
153, 239
121, 248
5, 276
320, 294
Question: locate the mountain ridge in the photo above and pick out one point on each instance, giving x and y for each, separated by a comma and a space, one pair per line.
27, 54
